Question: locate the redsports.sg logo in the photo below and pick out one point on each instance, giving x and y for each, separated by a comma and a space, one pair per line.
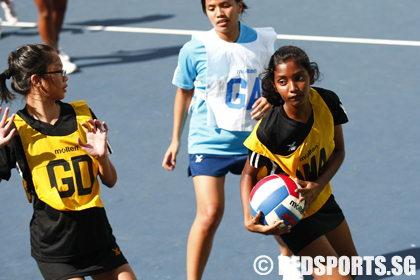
367, 265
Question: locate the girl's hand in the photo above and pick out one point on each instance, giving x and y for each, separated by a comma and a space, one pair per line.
254, 225
309, 193
4, 136
261, 108
169, 160
96, 139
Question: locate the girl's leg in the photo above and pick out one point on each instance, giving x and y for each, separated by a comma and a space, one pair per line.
322, 247
342, 242
50, 20
59, 11
210, 207
45, 22
10, 11
288, 267
336, 243
285, 251
123, 272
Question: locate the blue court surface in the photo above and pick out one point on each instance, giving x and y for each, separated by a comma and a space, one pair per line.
369, 54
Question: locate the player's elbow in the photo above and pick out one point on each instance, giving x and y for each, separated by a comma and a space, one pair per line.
110, 182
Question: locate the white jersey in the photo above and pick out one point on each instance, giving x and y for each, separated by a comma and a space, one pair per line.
190, 73
232, 78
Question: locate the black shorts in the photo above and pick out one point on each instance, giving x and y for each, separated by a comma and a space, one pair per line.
328, 218
90, 264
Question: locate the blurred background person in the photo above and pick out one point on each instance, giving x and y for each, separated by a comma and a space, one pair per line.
10, 12
50, 21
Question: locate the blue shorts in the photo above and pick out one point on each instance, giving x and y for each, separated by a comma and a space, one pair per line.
216, 165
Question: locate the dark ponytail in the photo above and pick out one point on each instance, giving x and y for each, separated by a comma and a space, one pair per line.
23, 63
5, 94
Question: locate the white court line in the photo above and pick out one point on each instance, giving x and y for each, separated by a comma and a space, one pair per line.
190, 32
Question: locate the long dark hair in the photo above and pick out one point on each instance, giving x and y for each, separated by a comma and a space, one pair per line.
203, 5
23, 63
283, 55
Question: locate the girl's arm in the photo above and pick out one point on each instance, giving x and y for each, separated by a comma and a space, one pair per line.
248, 181
107, 172
4, 128
96, 147
181, 105
311, 190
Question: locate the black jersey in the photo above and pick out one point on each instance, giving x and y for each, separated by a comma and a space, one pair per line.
73, 222
292, 133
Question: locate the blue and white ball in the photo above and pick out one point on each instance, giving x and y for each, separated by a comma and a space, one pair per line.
276, 198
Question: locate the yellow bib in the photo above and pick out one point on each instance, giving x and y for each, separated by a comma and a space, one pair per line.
63, 175
308, 160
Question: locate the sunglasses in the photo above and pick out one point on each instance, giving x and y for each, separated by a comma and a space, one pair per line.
62, 72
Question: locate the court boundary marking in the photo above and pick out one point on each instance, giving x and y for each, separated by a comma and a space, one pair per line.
190, 32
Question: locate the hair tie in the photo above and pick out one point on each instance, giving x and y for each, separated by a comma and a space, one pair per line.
7, 74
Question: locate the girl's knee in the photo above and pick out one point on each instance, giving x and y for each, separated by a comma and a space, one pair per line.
46, 14
210, 218
60, 6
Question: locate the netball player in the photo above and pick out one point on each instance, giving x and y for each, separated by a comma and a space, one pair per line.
60, 149
221, 92
302, 137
